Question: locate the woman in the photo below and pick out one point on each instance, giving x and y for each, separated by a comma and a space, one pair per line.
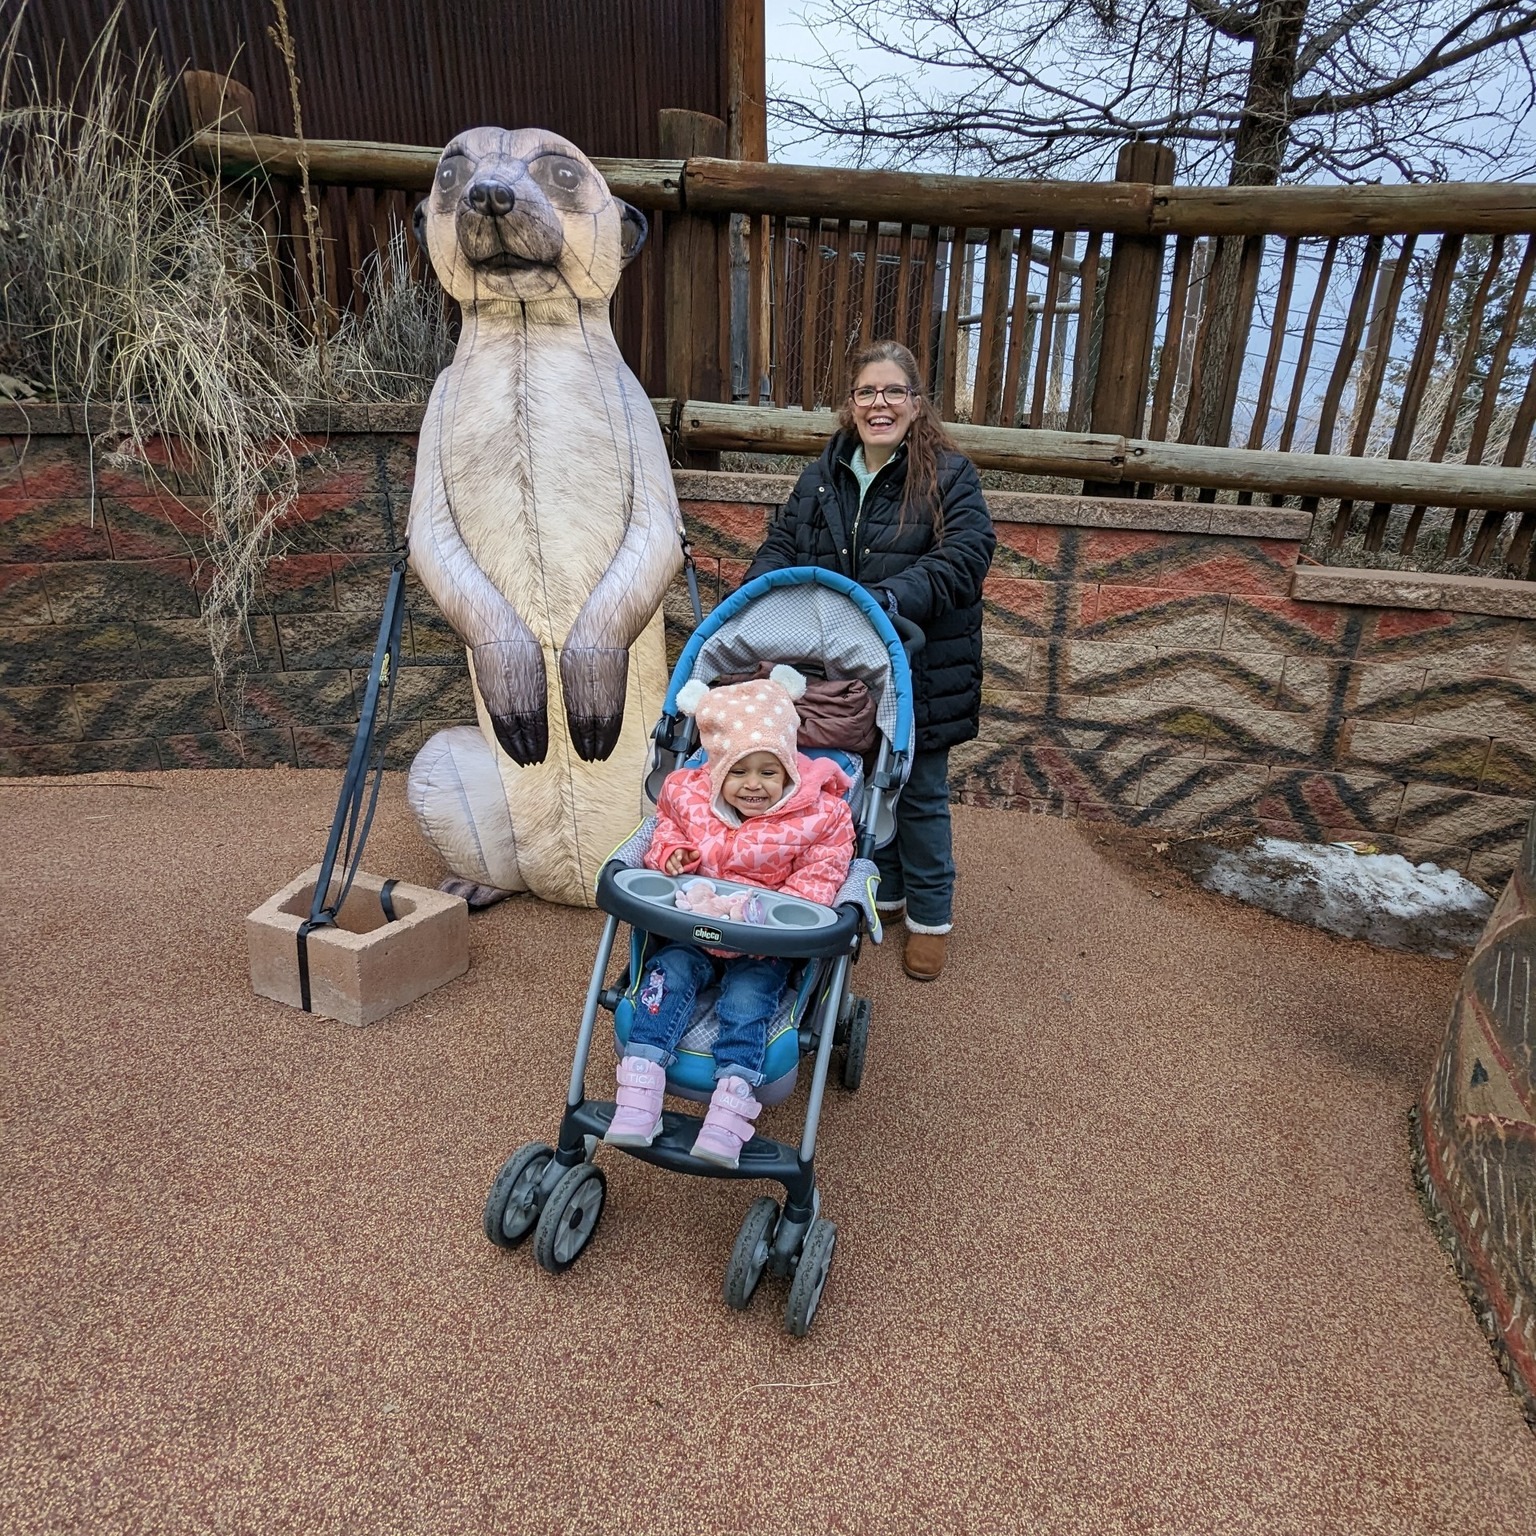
893, 505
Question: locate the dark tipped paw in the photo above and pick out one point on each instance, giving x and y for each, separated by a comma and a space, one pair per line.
594, 680
524, 738
510, 676
595, 739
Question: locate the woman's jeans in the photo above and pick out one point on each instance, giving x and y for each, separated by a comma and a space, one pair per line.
750, 989
918, 864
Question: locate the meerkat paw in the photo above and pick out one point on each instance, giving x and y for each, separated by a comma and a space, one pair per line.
478, 896
524, 738
510, 674
594, 682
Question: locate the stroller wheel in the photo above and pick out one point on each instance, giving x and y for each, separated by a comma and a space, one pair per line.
570, 1217
810, 1278
749, 1256
512, 1207
855, 1042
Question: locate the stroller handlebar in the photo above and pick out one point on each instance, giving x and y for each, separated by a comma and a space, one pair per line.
912, 638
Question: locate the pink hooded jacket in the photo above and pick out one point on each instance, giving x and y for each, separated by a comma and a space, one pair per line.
802, 846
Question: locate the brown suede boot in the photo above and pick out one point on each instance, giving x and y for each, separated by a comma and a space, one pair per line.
924, 956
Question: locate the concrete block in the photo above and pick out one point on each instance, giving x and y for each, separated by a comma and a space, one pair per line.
162, 706
1415, 589
29, 716
86, 592
1474, 821
60, 529
66, 757
1509, 770
717, 485
32, 655
1386, 692
1261, 522
1384, 589
1160, 616
1412, 752
365, 967
392, 416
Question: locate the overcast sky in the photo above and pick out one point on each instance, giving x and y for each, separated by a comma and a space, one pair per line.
792, 47
789, 43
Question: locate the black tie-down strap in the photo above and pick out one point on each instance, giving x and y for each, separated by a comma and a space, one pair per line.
692, 572
355, 808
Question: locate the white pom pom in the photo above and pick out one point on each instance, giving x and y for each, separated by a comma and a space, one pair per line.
691, 695
788, 679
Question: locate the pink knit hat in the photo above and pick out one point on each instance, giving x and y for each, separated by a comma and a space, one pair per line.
743, 718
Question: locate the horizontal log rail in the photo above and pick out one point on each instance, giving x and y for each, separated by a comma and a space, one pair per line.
703, 185
1136, 208
707, 427
401, 167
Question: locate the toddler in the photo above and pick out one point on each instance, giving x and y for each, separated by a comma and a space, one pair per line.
758, 813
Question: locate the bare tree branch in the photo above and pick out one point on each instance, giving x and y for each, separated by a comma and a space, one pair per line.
1050, 87
1231, 20
1434, 62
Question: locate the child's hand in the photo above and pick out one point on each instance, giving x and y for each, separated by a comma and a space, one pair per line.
679, 859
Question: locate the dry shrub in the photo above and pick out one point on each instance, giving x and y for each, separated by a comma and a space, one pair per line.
131, 283
130, 288
400, 342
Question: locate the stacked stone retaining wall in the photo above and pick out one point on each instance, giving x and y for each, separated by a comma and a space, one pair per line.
1156, 662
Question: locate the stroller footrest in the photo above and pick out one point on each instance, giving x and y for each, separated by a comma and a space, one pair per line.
761, 1158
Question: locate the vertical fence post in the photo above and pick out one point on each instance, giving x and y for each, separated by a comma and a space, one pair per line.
1131, 290
214, 100
695, 282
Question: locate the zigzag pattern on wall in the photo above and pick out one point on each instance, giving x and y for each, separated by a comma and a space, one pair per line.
1171, 680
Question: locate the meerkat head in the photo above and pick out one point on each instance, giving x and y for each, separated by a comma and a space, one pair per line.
523, 215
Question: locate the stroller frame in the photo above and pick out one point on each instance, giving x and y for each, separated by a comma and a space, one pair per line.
558, 1191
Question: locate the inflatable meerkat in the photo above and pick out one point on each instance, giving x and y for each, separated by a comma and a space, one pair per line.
543, 522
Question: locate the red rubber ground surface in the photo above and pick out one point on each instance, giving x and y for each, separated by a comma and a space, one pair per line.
1128, 1241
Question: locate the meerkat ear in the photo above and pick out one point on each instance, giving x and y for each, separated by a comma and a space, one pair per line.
419, 225
632, 230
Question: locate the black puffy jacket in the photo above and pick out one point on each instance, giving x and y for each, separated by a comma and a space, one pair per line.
936, 583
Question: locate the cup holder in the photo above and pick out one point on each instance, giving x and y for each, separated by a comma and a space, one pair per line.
788, 916
652, 887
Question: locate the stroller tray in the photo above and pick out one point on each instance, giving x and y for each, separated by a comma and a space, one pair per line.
647, 899
780, 911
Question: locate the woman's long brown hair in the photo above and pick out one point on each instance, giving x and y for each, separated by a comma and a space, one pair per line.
926, 438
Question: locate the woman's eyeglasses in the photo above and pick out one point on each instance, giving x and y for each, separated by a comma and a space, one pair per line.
893, 394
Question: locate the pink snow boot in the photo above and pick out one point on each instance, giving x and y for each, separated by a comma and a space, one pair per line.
637, 1108
727, 1127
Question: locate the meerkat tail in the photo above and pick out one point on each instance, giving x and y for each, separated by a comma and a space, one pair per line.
455, 792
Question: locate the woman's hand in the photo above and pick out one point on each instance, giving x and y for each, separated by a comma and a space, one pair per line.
679, 859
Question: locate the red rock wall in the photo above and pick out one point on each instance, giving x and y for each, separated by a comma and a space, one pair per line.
1168, 678
1159, 674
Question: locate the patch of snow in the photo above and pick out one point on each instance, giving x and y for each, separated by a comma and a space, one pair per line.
1379, 897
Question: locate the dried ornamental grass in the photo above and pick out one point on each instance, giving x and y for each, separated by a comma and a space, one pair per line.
126, 285
136, 286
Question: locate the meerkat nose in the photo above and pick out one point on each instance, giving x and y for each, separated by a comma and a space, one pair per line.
492, 197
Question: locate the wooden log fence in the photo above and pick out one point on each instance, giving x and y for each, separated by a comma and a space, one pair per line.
1277, 322
1107, 458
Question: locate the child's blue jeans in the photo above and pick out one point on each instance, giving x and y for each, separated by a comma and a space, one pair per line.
750, 989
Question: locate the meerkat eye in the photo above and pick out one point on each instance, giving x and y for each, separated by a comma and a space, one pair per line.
451, 173
557, 173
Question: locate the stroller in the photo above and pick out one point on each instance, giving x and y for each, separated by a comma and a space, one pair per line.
821, 622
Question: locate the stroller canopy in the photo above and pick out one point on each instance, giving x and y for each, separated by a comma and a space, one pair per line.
810, 615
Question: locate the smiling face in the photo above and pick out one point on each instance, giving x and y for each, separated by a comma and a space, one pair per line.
754, 784
883, 424
525, 216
